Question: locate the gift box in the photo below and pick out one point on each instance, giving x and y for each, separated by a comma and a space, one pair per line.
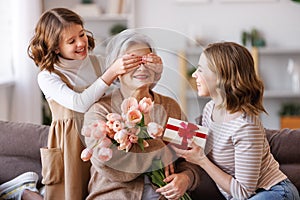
183, 133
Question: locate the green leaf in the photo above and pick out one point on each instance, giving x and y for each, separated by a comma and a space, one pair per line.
156, 180
141, 143
186, 196
142, 123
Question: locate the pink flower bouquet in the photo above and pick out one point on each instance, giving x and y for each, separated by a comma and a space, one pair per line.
124, 130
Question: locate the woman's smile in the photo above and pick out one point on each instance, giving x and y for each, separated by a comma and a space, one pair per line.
141, 76
81, 51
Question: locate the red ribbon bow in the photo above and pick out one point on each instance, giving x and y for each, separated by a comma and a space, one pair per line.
187, 132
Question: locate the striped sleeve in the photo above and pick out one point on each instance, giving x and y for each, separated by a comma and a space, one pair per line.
248, 144
240, 148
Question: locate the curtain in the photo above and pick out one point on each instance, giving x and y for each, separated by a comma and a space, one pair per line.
26, 95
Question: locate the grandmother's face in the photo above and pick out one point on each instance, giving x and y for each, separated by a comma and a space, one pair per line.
140, 76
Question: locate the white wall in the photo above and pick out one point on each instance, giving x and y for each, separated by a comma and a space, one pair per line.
278, 20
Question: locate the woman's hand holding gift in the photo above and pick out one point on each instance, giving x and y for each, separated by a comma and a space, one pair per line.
194, 155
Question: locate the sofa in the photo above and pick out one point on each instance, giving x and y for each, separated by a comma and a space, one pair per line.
20, 149
20, 143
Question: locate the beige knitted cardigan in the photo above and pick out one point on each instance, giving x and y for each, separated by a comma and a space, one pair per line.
122, 177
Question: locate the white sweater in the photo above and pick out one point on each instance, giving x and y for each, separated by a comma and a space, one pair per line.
240, 148
80, 74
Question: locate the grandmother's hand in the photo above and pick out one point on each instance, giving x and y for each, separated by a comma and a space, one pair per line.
176, 187
169, 169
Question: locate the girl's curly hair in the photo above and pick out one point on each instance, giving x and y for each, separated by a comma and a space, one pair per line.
47, 36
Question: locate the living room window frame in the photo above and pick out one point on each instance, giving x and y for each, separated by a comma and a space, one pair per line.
6, 67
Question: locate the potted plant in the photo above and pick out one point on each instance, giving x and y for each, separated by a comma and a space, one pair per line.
117, 28
290, 115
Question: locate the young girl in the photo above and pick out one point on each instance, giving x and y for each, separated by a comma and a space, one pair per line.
237, 155
71, 80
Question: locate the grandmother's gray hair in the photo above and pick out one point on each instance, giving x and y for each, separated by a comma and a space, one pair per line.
120, 43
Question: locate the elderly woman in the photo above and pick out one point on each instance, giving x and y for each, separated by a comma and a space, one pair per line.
123, 177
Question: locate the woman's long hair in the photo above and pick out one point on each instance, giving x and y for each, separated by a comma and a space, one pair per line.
238, 84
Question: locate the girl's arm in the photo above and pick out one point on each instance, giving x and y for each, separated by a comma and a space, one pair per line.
121, 66
54, 88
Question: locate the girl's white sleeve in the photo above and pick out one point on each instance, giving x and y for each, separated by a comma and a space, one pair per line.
54, 88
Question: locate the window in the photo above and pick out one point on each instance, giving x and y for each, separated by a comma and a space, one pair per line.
6, 68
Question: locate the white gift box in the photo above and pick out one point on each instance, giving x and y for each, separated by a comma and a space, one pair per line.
183, 133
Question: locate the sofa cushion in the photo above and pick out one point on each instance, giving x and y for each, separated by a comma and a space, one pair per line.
284, 146
20, 145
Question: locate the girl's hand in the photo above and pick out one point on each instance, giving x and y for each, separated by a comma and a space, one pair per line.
176, 187
194, 155
153, 62
121, 66
126, 63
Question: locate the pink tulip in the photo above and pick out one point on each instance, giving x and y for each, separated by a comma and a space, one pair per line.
105, 142
86, 154
102, 126
145, 105
129, 104
121, 136
133, 138
134, 117
99, 131
154, 130
113, 117
110, 124
110, 133
105, 154
117, 126
126, 145
86, 131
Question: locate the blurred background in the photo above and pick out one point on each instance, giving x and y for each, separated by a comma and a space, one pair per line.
179, 28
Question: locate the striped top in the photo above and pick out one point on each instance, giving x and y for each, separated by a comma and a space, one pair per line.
240, 148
